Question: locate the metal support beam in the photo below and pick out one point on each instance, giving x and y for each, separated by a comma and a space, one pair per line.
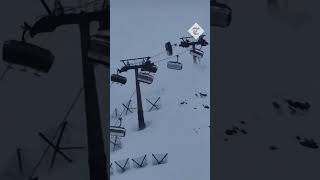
142, 125
96, 154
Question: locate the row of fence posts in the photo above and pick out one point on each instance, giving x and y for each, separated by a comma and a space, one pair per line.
124, 165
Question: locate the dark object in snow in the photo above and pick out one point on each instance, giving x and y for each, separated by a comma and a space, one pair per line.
194, 108
243, 131
196, 95
159, 158
183, 102
140, 162
123, 165
242, 122
298, 105
276, 105
230, 132
272, 148
309, 143
203, 95
206, 106
155, 104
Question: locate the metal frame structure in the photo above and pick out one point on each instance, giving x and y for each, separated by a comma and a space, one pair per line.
47, 24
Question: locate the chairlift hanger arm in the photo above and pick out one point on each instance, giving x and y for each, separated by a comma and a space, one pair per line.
51, 22
126, 68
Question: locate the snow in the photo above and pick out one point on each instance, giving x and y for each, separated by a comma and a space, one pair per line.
177, 129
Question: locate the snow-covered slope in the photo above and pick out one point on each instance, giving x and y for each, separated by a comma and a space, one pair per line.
179, 129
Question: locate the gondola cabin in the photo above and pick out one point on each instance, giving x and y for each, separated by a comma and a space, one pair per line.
169, 50
197, 53
145, 78
221, 15
28, 55
174, 65
99, 48
118, 79
117, 131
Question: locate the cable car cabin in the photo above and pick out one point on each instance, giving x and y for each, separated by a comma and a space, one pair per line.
118, 79
169, 50
99, 48
26, 54
174, 65
221, 15
145, 78
150, 68
197, 53
117, 131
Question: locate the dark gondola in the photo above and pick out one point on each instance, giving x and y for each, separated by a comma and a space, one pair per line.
26, 54
118, 79
150, 68
169, 50
221, 15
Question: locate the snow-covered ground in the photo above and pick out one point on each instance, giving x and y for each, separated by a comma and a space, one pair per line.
262, 58
181, 130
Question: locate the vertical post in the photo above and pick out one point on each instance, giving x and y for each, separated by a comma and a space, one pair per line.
96, 154
194, 57
20, 160
142, 125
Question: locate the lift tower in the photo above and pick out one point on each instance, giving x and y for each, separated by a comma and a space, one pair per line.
96, 154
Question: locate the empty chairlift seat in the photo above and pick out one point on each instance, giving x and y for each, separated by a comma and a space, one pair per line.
117, 131
174, 65
145, 78
99, 48
26, 54
118, 79
221, 15
197, 53
169, 50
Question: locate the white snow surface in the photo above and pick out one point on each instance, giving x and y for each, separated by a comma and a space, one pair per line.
177, 129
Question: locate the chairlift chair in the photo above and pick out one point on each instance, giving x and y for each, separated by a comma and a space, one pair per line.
26, 54
221, 15
169, 50
202, 41
145, 78
118, 79
150, 68
197, 53
117, 131
98, 48
174, 64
